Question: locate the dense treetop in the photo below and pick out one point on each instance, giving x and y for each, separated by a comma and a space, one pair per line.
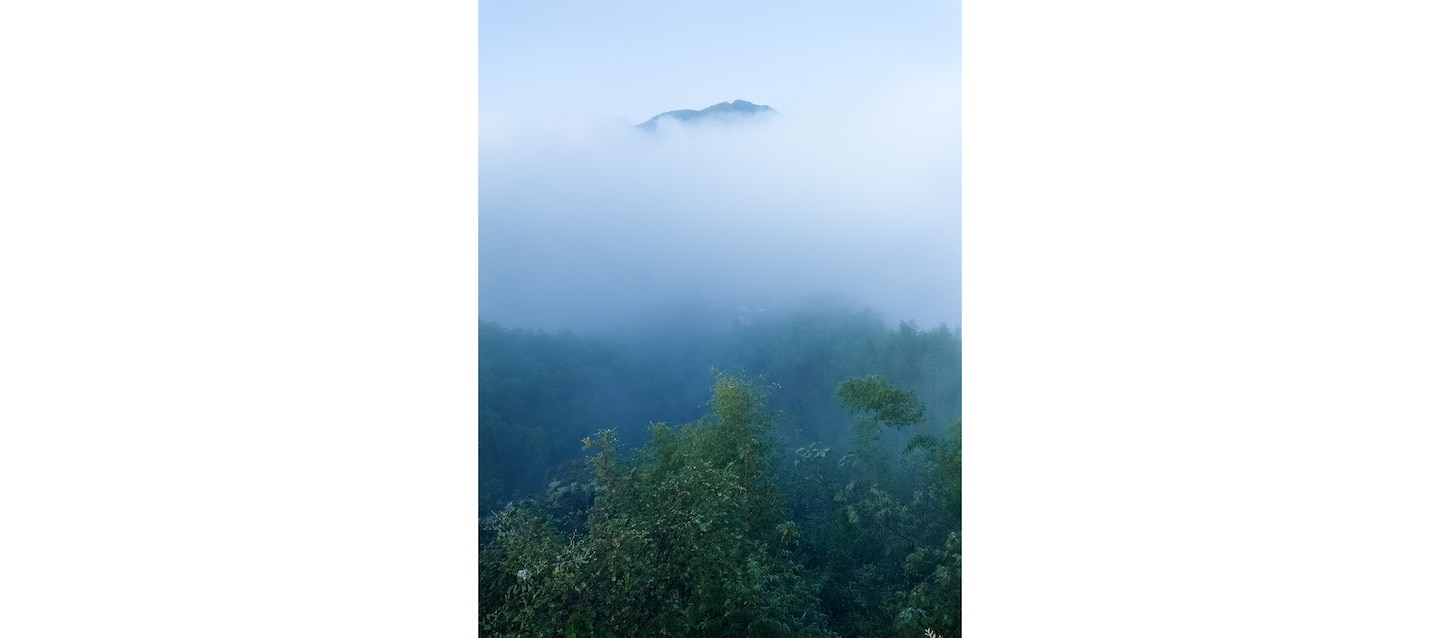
816, 493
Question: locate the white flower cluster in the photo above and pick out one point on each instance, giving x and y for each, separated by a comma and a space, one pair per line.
812, 451
524, 574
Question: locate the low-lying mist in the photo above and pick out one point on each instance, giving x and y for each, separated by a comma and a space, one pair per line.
587, 223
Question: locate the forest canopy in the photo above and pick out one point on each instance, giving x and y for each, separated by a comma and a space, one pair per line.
811, 487
541, 393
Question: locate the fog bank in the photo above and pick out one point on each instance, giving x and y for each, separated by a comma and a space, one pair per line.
587, 222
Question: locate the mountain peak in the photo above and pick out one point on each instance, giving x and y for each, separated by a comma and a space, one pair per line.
716, 112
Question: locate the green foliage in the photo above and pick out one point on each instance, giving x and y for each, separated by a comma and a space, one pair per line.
684, 538
876, 537
883, 402
934, 601
541, 393
604, 459
708, 528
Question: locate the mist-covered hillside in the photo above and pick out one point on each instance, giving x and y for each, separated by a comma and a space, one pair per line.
542, 392
721, 470
720, 373
726, 112
591, 224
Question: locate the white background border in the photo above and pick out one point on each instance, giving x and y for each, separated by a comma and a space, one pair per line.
1201, 314
238, 337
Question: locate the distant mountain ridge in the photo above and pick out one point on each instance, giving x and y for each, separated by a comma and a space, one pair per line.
724, 111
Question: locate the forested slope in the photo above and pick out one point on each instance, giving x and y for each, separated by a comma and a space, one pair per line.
816, 493
541, 393
712, 528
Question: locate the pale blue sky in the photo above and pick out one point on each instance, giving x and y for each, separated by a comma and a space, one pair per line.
632, 60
